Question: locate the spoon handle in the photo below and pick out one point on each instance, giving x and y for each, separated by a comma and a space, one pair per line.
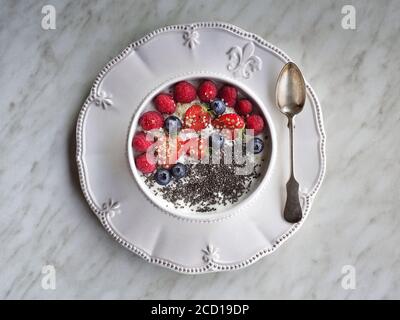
292, 212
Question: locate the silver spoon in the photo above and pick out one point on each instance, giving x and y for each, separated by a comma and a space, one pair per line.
290, 99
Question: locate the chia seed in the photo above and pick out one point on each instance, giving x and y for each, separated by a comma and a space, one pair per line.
207, 186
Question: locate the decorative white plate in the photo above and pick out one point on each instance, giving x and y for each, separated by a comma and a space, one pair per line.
193, 243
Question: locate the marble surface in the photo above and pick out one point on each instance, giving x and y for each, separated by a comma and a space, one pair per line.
45, 76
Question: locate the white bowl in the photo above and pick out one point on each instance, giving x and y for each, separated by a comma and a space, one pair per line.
222, 212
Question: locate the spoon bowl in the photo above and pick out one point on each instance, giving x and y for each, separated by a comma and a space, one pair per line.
290, 90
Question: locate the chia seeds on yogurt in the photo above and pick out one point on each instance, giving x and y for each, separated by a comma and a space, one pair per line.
208, 186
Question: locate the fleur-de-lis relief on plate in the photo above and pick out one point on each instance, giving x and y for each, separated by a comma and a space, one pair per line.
242, 61
111, 208
103, 100
210, 254
191, 37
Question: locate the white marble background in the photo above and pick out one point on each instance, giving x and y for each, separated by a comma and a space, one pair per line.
45, 76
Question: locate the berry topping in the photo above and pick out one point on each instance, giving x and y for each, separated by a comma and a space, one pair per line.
255, 145
216, 141
179, 170
140, 142
144, 164
184, 92
172, 124
197, 118
229, 95
218, 106
168, 150
165, 103
256, 123
196, 148
207, 91
244, 107
162, 177
229, 121
151, 120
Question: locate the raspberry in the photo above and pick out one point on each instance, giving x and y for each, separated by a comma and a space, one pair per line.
165, 103
256, 123
143, 164
229, 95
184, 92
207, 91
244, 107
151, 120
140, 143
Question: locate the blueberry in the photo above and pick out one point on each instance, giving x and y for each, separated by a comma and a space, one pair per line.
216, 141
218, 106
172, 124
255, 145
162, 176
179, 171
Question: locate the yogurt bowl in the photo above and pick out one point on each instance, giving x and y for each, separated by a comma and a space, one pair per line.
217, 181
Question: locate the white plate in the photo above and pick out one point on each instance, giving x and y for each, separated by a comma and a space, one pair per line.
228, 240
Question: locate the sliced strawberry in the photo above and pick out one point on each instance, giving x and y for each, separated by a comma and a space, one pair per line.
229, 121
196, 148
197, 118
168, 150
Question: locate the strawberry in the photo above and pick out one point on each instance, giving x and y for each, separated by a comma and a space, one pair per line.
197, 118
229, 121
231, 125
168, 150
165, 103
196, 148
184, 92
207, 91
